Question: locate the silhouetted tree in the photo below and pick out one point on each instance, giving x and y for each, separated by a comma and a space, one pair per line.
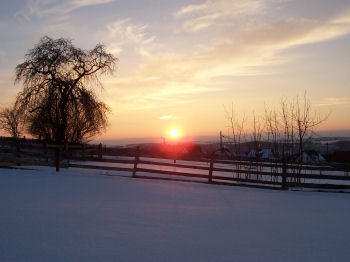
58, 96
237, 128
273, 128
12, 121
305, 121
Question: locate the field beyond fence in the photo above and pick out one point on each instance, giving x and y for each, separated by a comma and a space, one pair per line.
253, 173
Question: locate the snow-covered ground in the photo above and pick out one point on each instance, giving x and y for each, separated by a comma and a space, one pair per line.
76, 215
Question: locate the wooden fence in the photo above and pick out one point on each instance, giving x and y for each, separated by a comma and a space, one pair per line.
247, 173
34, 152
227, 173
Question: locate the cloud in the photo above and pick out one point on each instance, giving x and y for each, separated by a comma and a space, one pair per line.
260, 44
250, 40
173, 76
138, 92
292, 32
191, 9
55, 27
214, 13
332, 101
344, 17
242, 51
166, 117
251, 23
249, 35
126, 34
46, 8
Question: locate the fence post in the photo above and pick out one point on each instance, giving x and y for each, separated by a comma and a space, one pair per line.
99, 151
57, 158
284, 175
136, 160
210, 178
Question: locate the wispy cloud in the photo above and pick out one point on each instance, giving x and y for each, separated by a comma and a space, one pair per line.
215, 13
250, 36
332, 101
140, 93
45, 8
166, 117
260, 44
191, 9
124, 33
242, 51
169, 75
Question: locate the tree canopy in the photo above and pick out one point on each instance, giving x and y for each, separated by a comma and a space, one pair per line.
58, 97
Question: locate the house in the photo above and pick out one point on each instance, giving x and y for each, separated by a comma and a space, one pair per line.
312, 156
265, 153
253, 153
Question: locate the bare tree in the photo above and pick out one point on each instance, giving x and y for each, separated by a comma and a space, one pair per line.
305, 120
58, 96
237, 131
292, 125
288, 128
273, 126
12, 121
257, 131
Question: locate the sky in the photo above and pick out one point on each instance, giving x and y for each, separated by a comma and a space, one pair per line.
181, 63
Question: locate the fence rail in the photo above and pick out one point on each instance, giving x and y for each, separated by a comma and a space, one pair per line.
248, 173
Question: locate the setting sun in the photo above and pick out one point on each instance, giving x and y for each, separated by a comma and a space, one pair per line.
174, 133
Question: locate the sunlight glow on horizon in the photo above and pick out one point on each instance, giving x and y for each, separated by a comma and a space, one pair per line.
174, 133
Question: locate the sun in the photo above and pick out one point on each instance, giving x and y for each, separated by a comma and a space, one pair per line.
174, 133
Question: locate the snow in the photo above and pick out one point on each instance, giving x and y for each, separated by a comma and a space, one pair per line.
78, 215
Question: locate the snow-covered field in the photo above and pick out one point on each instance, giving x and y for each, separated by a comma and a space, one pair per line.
76, 215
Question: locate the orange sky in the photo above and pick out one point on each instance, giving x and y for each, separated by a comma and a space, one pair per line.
182, 62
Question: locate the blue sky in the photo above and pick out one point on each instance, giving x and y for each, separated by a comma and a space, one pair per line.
181, 62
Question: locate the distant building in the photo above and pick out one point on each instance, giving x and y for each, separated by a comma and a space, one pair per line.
312, 156
265, 153
253, 153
